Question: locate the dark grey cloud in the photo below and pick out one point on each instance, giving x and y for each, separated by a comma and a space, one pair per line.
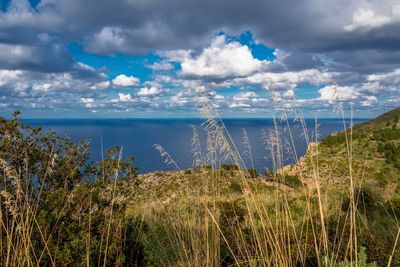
43, 58
284, 24
364, 61
137, 27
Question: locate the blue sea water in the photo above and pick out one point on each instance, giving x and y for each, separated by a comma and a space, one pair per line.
137, 137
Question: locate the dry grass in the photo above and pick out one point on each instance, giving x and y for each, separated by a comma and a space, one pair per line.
278, 227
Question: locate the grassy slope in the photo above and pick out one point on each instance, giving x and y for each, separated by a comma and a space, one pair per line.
369, 165
330, 158
173, 205
381, 121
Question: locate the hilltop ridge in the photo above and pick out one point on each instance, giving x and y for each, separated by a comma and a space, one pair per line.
389, 118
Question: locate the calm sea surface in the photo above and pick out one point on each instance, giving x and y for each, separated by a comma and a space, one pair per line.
137, 136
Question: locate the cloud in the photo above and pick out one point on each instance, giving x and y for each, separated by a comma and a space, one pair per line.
390, 77
88, 102
125, 97
354, 43
107, 41
369, 101
22, 24
244, 96
221, 60
239, 105
101, 85
175, 55
180, 99
246, 100
26, 83
366, 18
125, 81
289, 94
162, 65
287, 80
47, 58
336, 93
152, 91
357, 94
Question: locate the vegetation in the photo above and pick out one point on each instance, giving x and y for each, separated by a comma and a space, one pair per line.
50, 214
338, 206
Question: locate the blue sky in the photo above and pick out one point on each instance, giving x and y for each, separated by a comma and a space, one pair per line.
83, 59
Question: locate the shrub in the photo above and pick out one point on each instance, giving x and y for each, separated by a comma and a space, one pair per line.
252, 173
230, 167
386, 135
291, 180
334, 139
268, 173
235, 187
44, 159
391, 152
46, 208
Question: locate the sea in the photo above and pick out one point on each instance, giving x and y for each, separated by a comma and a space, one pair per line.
137, 137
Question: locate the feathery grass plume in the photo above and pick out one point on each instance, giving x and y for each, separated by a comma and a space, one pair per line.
247, 151
116, 175
273, 145
167, 157
353, 242
196, 148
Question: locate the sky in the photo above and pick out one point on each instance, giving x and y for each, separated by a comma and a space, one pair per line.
166, 58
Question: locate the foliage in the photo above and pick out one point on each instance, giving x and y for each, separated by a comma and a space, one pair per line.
114, 161
268, 173
49, 216
229, 167
252, 172
340, 138
235, 186
43, 159
334, 140
391, 152
386, 135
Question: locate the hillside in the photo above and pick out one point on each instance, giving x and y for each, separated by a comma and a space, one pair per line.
373, 152
373, 148
385, 120
338, 206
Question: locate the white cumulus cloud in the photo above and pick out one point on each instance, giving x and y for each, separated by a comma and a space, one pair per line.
125, 81
149, 91
222, 60
124, 97
332, 92
288, 80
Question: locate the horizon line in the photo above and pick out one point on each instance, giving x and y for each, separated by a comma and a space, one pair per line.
186, 118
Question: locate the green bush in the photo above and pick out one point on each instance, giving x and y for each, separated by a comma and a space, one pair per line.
252, 173
334, 139
391, 152
291, 180
386, 135
269, 174
229, 167
44, 176
235, 187
340, 138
